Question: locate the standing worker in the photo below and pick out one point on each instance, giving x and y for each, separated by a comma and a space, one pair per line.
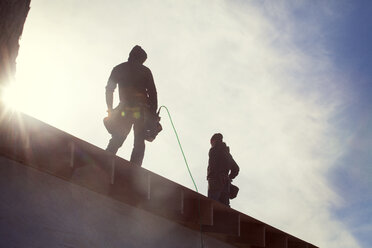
138, 96
222, 168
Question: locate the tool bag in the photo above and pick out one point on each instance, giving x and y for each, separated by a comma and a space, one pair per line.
233, 192
152, 125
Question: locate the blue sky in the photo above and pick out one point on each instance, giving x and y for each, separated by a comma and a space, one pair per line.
288, 83
347, 36
350, 38
344, 30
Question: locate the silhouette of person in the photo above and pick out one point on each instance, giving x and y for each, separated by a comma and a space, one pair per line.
137, 94
222, 168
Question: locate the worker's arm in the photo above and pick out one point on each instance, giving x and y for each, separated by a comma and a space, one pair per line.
211, 163
110, 88
234, 168
151, 91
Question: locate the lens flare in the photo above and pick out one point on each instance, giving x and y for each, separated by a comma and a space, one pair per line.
136, 115
9, 96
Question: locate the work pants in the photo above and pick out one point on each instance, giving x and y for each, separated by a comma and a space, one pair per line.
219, 189
129, 117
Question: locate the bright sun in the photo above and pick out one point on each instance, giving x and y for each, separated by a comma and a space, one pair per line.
10, 96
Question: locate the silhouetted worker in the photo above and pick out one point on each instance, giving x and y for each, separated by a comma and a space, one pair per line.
137, 94
222, 168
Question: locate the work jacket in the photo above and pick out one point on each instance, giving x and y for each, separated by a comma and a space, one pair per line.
136, 85
221, 163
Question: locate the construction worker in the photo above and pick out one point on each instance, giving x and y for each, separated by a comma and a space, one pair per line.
222, 168
138, 96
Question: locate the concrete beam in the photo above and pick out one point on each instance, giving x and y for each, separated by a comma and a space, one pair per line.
130, 184
276, 240
297, 244
312, 246
251, 234
164, 197
36, 144
196, 209
40, 210
225, 222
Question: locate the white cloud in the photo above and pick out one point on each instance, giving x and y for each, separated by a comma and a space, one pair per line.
218, 66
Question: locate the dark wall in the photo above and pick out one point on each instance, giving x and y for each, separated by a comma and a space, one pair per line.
13, 15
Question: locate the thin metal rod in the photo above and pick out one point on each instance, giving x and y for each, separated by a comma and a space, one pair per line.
113, 170
72, 154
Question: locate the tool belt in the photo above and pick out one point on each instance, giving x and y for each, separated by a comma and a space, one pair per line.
151, 119
221, 181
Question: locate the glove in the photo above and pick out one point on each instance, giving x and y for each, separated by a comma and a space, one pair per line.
109, 112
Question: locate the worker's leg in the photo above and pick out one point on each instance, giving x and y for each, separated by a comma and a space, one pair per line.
225, 195
214, 189
138, 151
119, 136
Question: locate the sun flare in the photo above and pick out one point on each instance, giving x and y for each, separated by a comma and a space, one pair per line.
12, 96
